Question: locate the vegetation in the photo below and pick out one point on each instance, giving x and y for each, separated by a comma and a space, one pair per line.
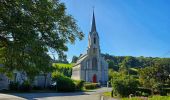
13, 86
74, 59
91, 85
124, 85
25, 86
65, 69
79, 85
64, 84
140, 76
30, 29
150, 98
107, 94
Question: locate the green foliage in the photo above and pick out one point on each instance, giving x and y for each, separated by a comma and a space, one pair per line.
107, 94
65, 69
124, 85
13, 86
30, 29
25, 86
112, 65
150, 98
79, 84
134, 62
62, 65
64, 84
143, 92
110, 74
133, 71
153, 78
74, 59
159, 98
91, 85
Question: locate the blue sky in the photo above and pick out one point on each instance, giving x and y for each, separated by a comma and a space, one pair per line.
125, 27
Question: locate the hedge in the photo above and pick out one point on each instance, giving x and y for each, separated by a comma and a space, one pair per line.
79, 84
91, 85
64, 84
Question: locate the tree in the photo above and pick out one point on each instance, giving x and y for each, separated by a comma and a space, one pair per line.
29, 29
123, 85
74, 59
148, 78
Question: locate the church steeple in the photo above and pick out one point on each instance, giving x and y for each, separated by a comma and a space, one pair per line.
93, 27
94, 48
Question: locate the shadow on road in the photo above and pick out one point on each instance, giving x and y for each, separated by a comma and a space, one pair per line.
32, 96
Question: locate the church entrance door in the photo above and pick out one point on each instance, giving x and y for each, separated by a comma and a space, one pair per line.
94, 78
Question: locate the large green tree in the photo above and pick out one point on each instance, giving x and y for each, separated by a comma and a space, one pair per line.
74, 59
29, 29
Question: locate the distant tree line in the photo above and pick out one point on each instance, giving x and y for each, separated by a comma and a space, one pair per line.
116, 62
139, 75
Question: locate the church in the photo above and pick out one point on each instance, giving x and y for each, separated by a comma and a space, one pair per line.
91, 67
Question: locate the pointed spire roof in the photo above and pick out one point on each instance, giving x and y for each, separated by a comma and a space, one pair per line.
93, 27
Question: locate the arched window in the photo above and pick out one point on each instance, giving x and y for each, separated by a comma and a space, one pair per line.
94, 50
94, 40
94, 63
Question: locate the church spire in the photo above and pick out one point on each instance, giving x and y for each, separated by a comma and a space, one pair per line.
93, 27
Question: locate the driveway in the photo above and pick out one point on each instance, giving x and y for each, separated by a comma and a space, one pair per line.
90, 95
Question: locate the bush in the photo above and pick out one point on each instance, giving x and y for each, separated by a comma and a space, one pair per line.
143, 92
164, 91
124, 87
25, 86
13, 85
91, 85
79, 84
64, 84
37, 88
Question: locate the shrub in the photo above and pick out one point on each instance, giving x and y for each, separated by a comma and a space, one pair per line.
65, 69
143, 92
91, 85
25, 86
37, 88
124, 87
64, 84
13, 85
164, 91
79, 84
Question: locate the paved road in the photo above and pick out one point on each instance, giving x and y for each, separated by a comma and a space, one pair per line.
91, 95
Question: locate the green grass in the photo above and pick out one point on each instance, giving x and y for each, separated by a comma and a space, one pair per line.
150, 98
160, 98
70, 65
155, 97
107, 94
134, 69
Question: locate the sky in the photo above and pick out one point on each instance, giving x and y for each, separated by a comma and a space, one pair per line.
125, 27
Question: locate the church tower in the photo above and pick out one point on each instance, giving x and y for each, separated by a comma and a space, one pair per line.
91, 66
93, 46
93, 39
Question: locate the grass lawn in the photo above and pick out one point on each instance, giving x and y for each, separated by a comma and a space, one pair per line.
63, 65
155, 97
108, 94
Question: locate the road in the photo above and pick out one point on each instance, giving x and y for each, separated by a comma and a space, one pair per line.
90, 95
